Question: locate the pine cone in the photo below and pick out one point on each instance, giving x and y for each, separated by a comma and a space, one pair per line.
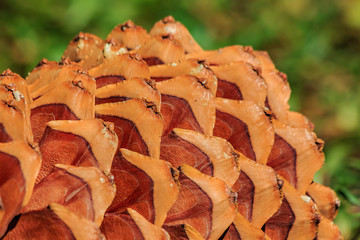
148, 136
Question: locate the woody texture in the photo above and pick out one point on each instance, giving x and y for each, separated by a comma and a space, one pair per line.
145, 135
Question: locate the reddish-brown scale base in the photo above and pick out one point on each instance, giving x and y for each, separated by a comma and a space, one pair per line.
232, 234
65, 148
134, 189
176, 232
12, 189
160, 79
110, 100
282, 159
234, 131
120, 226
46, 113
177, 113
228, 90
63, 188
245, 189
106, 80
151, 61
192, 207
127, 134
178, 151
43, 224
279, 225
4, 137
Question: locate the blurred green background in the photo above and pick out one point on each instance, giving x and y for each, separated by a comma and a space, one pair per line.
316, 43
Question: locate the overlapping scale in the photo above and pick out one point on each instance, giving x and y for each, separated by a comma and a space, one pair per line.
148, 136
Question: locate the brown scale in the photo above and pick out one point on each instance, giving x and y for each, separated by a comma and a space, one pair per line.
278, 89
239, 80
117, 68
245, 190
193, 207
50, 75
11, 189
297, 217
183, 232
186, 103
298, 120
177, 114
128, 134
85, 49
19, 165
129, 89
70, 100
161, 49
283, 160
228, 90
44, 69
120, 226
140, 186
208, 154
278, 94
65, 148
70, 191
245, 125
296, 155
110, 100
134, 189
46, 113
258, 190
178, 151
4, 136
48, 71
15, 108
130, 225
242, 229
136, 123
192, 67
169, 25
227, 55
84, 190
235, 131
54, 222
151, 61
328, 230
281, 222
205, 203
107, 80
325, 198
128, 34
231, 233
30, 223
71, 142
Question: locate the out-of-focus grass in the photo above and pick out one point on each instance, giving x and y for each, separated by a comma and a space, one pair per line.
317, 43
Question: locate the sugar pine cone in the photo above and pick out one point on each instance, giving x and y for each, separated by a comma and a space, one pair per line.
148, 136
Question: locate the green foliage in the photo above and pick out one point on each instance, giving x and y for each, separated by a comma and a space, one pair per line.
317, 43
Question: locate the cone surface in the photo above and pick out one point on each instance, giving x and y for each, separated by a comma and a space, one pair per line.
148, 136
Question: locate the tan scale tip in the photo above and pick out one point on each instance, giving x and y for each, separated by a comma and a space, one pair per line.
81, 228
148, 230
